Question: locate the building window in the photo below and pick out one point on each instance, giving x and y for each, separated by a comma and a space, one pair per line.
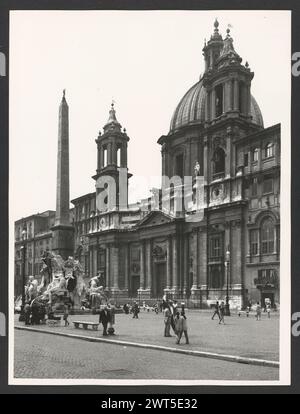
215, 247
246, 159
255, 155
267, 236
254, 234
179, 165
101, 258
269, 150
219, 161
216, 279
254, 186
267, 185
219, 100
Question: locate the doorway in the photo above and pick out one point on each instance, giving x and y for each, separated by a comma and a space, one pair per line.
160, 280
135, 284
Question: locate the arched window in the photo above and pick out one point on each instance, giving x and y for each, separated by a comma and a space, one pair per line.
267, 236
105, 156
219, 161
255, 155
119, 156
269, 150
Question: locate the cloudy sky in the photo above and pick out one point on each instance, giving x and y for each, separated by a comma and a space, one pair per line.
144, 61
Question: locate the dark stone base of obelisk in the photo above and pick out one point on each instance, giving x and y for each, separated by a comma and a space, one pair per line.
63, 240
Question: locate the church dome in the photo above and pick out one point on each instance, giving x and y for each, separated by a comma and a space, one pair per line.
191, 109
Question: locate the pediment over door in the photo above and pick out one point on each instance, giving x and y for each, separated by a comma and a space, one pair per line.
155, 218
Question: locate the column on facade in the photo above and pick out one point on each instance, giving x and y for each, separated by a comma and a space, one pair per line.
248, 98
228, 156
205, 161
208, 106
224, 102
95, 254
109, 153
142, 266
186, 264
202, 251
228, 94
107, 266
188, 167
91, 261
126, 264
195, 259
149, 265
259, 158
213, 104
163, 161
236, 254
236, 95
227, 245
175, 263
249, 241
169, 264
124, 155
114, 153
244, 98
115, 267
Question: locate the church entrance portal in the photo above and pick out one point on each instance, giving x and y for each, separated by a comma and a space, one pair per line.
160, 280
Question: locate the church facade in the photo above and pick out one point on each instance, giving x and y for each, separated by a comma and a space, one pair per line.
146, 252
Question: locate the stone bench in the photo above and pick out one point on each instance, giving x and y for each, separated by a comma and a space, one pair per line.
86, 324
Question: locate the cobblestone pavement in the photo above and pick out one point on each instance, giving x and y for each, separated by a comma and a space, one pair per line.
239, 336
45, 356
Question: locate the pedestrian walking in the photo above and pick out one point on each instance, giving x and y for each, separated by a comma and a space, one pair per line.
222, 313
110, 319
217, 311
181, 326
258, 311
66, 315
167, 321
126, 308
269, 310
135, 311
104, 318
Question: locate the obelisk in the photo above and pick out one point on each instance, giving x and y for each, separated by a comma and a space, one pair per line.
63, 231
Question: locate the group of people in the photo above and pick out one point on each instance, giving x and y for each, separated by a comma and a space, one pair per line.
259, 310
175, 318
220, 312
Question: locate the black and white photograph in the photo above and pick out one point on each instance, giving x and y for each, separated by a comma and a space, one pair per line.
149, 197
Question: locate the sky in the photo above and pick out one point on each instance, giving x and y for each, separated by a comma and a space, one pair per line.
143, 60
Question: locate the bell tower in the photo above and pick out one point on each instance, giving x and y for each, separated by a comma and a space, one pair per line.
112, 163
226, 79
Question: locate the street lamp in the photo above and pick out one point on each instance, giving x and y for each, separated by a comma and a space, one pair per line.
23, 248
227, 262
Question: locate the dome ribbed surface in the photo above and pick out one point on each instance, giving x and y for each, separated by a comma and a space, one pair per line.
191, 109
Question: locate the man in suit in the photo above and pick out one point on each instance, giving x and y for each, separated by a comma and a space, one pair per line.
104, 318
217, 311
